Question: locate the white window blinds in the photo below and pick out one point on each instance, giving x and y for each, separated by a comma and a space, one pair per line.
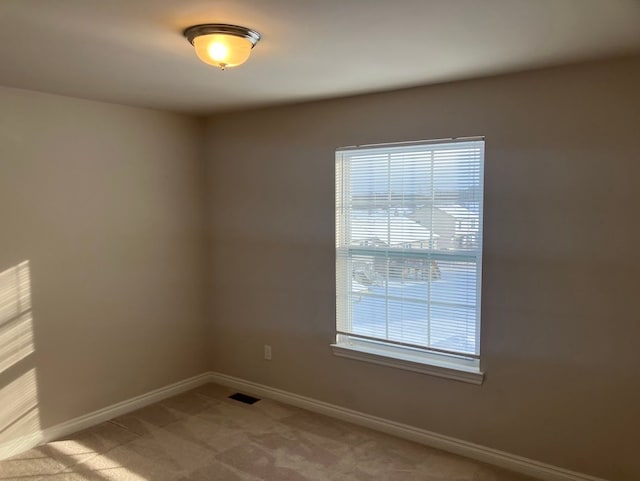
409, 245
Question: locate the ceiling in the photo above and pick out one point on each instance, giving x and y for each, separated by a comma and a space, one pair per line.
133, 52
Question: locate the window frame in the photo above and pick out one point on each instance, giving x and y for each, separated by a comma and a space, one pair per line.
436, 362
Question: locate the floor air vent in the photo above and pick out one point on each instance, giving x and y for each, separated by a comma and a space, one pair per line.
244, 398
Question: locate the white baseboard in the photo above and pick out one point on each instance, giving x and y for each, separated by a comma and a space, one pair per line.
519, 464
29, 441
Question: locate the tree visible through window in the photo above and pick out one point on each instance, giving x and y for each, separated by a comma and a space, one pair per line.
409, 246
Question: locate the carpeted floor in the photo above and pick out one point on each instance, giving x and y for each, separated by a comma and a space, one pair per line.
203, 435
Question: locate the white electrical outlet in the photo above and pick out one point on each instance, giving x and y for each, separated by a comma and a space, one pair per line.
267, 352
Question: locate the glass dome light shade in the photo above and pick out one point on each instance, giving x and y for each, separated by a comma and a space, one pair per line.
222, 50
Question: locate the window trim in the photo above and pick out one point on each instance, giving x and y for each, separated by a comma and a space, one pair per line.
449, 367
444, 365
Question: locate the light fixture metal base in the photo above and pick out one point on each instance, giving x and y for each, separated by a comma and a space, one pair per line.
210, 28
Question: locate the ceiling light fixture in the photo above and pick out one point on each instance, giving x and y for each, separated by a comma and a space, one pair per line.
222, 45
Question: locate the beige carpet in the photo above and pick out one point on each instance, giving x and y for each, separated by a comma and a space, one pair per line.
204, 436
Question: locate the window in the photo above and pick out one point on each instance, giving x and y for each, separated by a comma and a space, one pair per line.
408, 255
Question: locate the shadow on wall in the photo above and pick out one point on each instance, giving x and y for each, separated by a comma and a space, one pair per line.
19, 413
20, 426
90, 453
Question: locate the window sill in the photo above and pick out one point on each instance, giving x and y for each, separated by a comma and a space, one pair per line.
433, 366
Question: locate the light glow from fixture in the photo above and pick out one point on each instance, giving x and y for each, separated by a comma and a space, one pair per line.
222, 45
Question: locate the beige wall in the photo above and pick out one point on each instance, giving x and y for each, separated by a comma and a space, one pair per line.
106, 204
561, 267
